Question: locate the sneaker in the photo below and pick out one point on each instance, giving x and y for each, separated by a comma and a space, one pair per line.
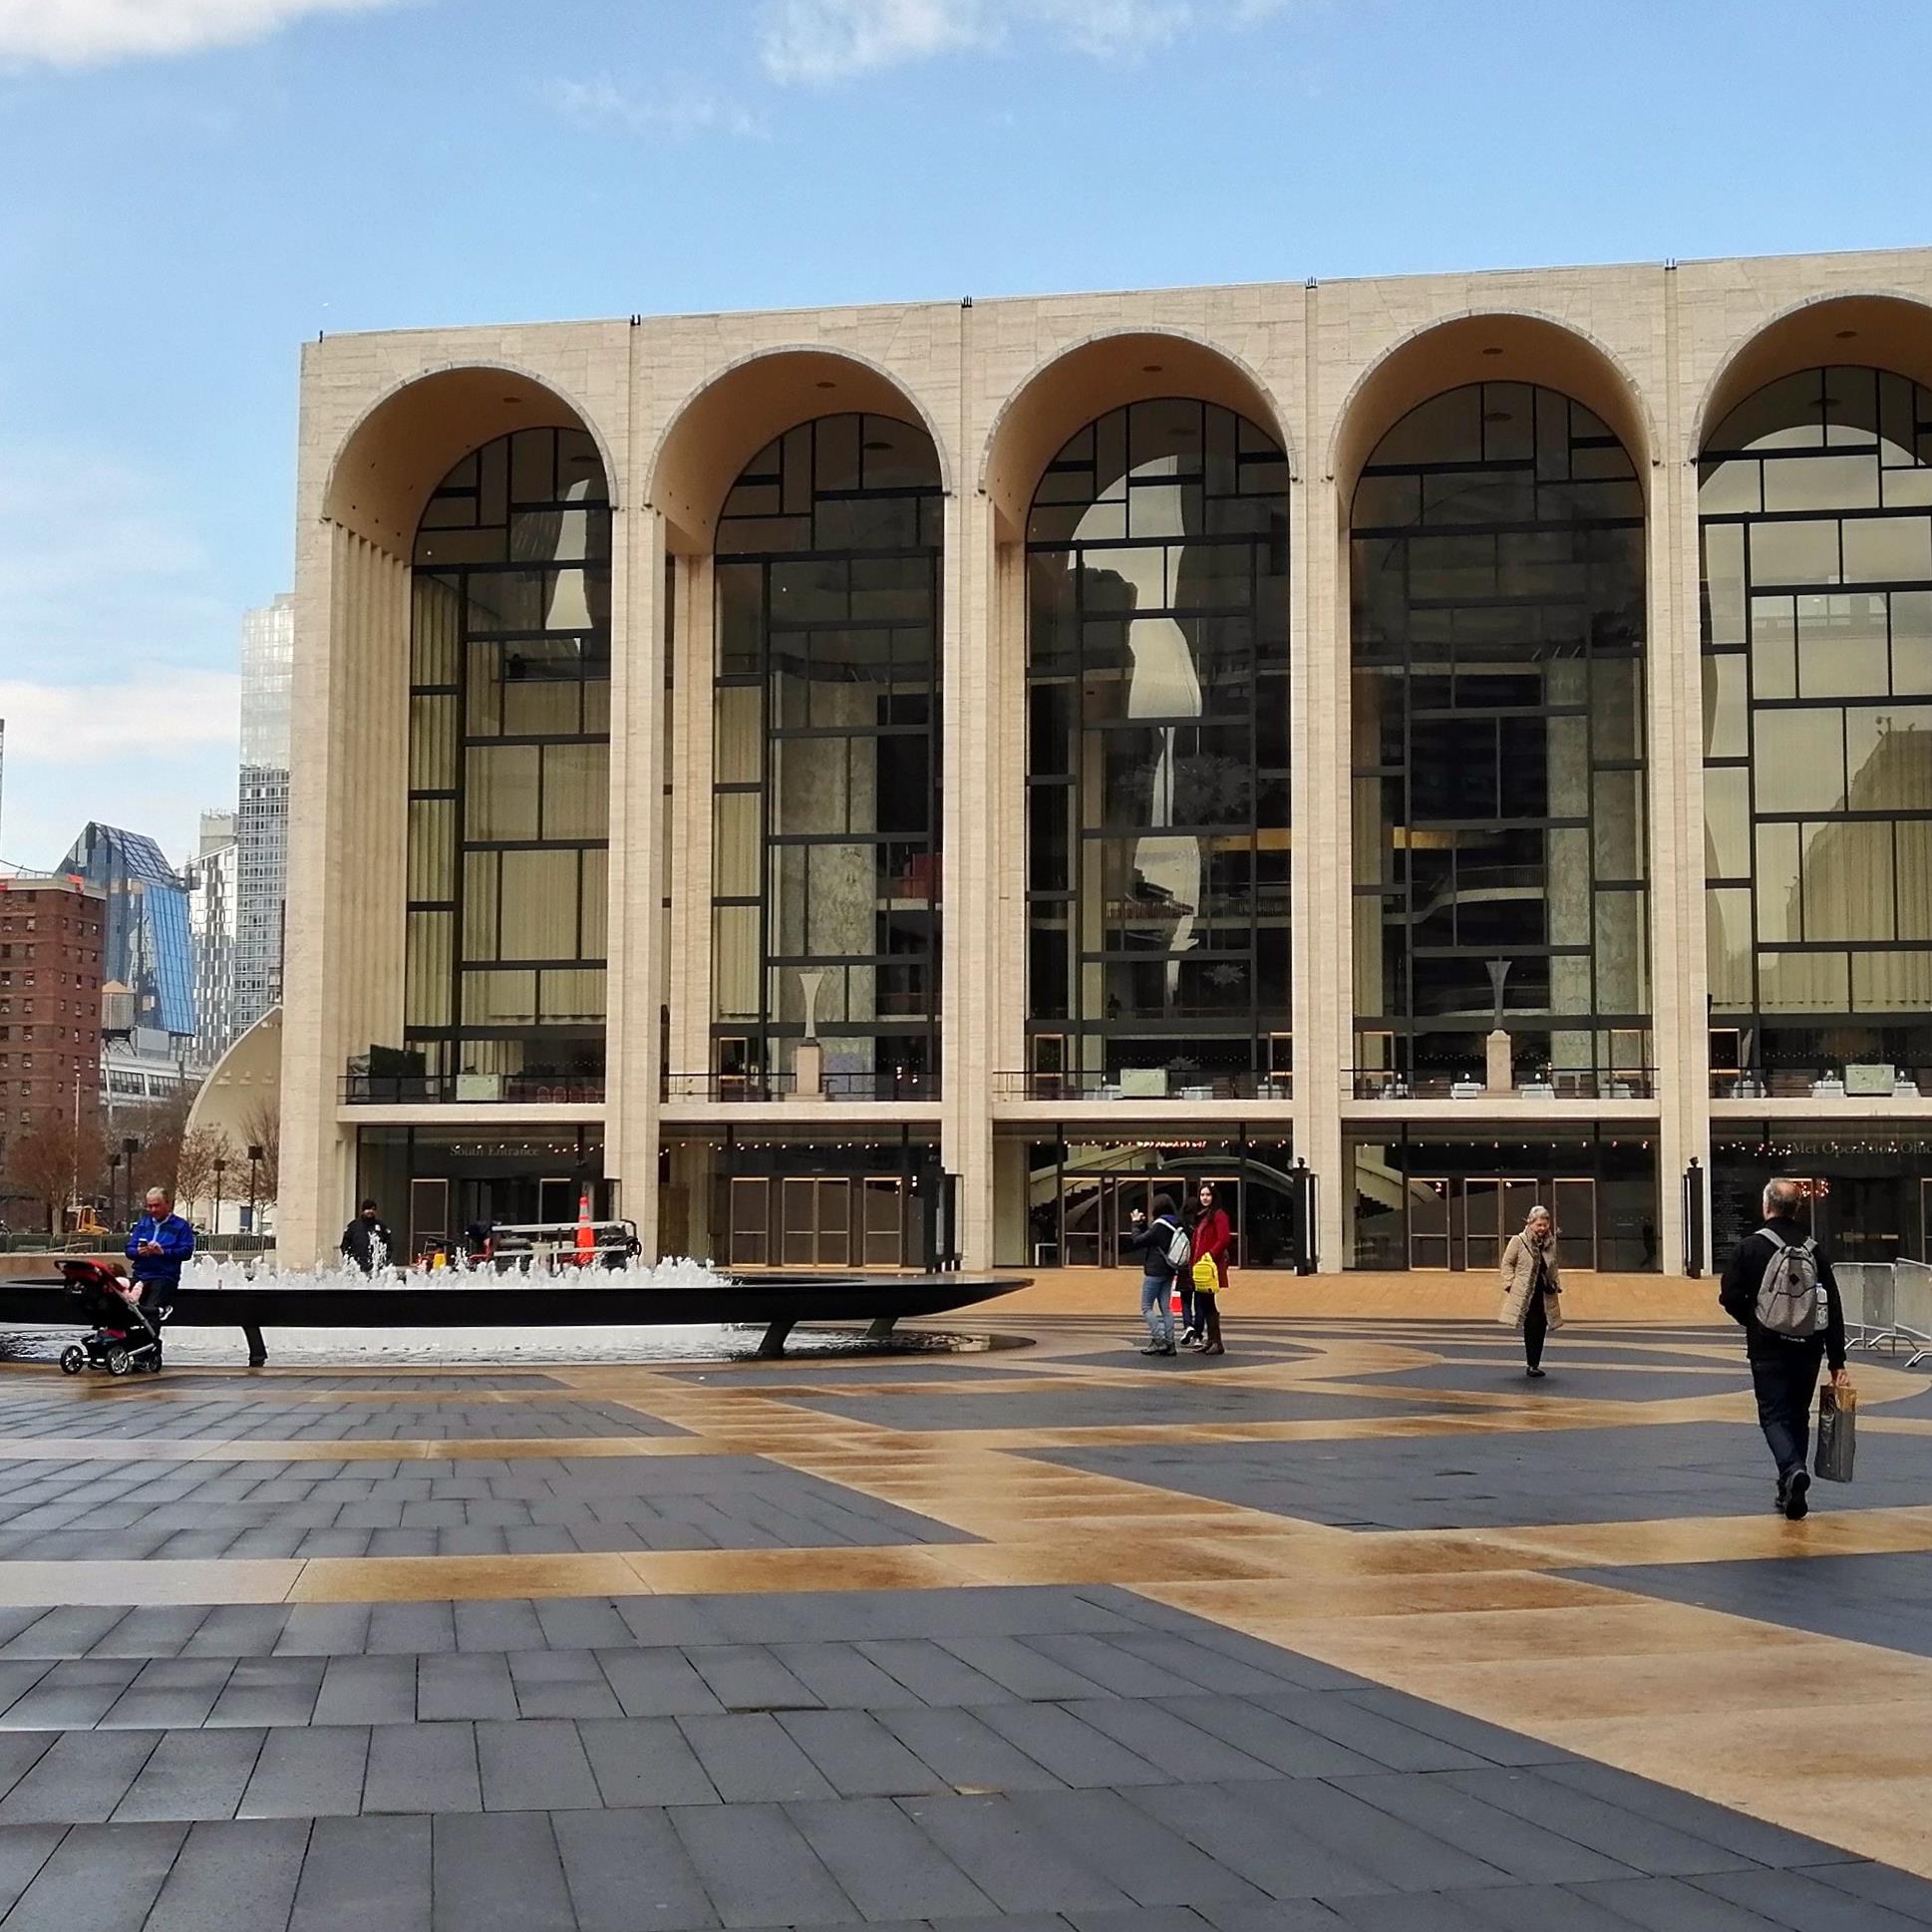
1796, 1506
1154, 1348
1191, 1337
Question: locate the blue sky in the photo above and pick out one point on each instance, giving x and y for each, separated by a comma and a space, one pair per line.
194, 186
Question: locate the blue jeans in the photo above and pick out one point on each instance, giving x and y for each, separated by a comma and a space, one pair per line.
1156, 1310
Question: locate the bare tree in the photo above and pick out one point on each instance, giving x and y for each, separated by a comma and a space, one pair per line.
194, 1167
262, 1124
40, 1165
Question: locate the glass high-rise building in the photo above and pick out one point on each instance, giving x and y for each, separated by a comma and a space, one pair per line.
261, 819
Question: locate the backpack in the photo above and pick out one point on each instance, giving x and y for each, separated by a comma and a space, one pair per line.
1788, 1302
1179, 1249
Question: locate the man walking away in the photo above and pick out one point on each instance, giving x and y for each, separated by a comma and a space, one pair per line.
1781, 1290
1164, 1251
158, 1244
366, 1242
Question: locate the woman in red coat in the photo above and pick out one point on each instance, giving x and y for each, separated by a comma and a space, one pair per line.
1212, 1234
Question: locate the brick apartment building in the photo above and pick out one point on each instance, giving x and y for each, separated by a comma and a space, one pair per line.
49, 1003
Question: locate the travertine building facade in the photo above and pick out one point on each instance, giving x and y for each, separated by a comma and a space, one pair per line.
1467, 738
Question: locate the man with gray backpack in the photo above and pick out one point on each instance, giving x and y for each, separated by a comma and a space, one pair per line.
1779, 1289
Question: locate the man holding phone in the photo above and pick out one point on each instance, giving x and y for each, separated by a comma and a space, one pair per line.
158, 1244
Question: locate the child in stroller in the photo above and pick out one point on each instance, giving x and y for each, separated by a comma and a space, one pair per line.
125, 1336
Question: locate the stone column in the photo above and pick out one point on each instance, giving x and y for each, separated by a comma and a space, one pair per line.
636, 972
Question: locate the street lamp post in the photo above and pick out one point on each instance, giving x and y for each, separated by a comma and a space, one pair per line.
220, 1167
254, 1213
129, 1149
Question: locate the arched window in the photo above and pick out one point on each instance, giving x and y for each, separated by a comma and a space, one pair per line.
1500, 852
508, 772
1157, 854
825, 765
1816, 511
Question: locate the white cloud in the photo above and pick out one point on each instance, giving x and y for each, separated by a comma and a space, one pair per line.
147, 751
831, 40
89, 33
687, 111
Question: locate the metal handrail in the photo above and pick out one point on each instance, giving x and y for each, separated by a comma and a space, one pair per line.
885, 1089
1471, 1083
1181, 1086
468, 1089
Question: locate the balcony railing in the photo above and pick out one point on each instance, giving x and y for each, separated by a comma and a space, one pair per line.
1469, 1083
1831, 1082
888, 1087
1163, 1084
472, 1090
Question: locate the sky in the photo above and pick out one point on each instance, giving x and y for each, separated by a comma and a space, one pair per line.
196, 187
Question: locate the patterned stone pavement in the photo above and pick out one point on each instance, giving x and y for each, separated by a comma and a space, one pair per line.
1355, 1628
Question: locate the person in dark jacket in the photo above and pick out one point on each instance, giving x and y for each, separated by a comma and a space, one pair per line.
1784, 1369
158, 1244
1154, 1242
366, 1240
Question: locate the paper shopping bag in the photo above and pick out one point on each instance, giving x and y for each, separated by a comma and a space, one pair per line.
1838, 1434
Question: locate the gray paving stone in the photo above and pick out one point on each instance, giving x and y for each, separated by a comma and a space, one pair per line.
20, 1751
580, 1623
1268, 1737
464, 1685
1752, 1839
1411, 1859
1412, 1912
101, 1878
497, 1626
1021, 1669
749, 1757
18, 1676
1278, 1915
192, 1775
364, 1875
366, 1689
933, 1675
644, 1761
756, 1869
1673, 1906
1076, 1753
171, 1694
1799, 1901
1382, 1739
1151, 1864
79, 1779
265, 1689
1260, 1847
629, 1870
325, 1630
233, 1876
69, 1632
1543, 1908
238, 1630
964, 1754
1184, 1751
656, 1684
883, 1863
747, 1676
1021, 1868
1899, 1891
308, 1772
24, 1849
1648, 1844
840, 1677
1484, 1741
500, 1874
412, 1629
858, 1756
533, 1764
421, 1767
152, 1630
561, 1683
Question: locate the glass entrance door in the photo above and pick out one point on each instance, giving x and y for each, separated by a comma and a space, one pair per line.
1428, 1221
1494, 1209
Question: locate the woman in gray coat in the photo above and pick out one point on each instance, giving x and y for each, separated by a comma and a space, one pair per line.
1533, 1299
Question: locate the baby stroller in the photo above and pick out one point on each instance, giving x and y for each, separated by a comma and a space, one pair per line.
124, 1337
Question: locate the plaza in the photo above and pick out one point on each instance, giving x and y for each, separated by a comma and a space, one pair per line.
1346, 1630
1397, 749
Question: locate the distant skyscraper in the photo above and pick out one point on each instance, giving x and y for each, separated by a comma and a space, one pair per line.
261, 824
148, 1022
212, 918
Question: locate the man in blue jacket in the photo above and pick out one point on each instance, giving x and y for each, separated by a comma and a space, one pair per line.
157, 1245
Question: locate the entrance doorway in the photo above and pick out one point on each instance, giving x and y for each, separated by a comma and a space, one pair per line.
1463, 1223
822, 1221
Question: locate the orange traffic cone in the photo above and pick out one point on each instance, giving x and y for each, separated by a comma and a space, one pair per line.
586, 1240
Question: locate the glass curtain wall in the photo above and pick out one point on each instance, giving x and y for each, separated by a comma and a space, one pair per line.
1157, 853
1500, 852
826, 762
1816, 505
509, 787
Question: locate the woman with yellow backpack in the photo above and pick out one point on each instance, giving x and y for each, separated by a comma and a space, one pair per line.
1213, 1234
